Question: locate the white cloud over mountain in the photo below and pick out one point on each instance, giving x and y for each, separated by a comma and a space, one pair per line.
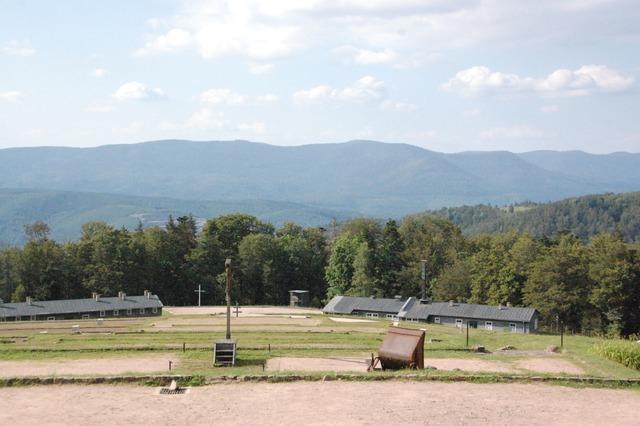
366, 89
512, 132
586, 80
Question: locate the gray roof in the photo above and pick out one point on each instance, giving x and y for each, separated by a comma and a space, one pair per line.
348, 304
470, 311
413, 309
72, 306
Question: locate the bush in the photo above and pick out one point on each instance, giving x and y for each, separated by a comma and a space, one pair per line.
623, 351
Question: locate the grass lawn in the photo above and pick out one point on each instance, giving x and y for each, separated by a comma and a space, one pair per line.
291, 337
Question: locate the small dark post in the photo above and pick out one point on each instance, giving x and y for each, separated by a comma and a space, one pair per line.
467, 333
184, 347
561, 334
237, 309
269, 347
423, 275
169, 365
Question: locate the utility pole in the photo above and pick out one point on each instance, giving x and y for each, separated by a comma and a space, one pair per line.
200, 291
424, 279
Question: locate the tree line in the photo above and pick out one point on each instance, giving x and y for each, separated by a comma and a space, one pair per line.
590, 287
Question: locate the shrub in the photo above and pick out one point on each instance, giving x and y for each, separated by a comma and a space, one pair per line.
623, 351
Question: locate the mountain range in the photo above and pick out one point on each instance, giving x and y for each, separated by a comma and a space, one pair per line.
317, 182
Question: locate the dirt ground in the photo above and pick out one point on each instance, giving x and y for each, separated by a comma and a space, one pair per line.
255, 311
66, 326
478, 365
549, 365
537, 365
317, 364
342, 403
349, 320
103, 366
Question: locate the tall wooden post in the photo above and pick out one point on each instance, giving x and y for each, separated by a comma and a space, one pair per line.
224, 352
227, 267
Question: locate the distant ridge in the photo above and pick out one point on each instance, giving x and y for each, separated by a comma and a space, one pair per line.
366, 177
583, 216
67, 211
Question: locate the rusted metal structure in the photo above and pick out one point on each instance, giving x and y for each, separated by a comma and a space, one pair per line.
224, 351
401, 348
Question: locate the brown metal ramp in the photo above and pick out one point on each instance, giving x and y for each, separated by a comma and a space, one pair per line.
401, 348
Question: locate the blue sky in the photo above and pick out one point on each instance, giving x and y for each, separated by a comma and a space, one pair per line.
444, 75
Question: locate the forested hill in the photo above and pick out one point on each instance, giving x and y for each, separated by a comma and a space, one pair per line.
582, 216
372, 178
66, 211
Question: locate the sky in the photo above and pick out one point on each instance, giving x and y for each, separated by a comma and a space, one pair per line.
445, 75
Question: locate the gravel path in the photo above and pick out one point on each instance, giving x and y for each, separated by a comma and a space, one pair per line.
342, 403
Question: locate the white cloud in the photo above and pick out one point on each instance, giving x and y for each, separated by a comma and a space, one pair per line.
398, 106
549, 108
134, 90
256, 128
17, 48
222, 96
206, 119
99, 72
586, 80
260, 29
229, 97
268, 98
174, 40
260, 68
366, 56
132, 128
11, 96
366, 89
512, 132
